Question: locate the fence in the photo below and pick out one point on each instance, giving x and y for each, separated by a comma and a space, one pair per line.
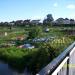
64, 64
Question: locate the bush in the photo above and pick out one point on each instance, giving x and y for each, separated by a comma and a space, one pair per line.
35, 32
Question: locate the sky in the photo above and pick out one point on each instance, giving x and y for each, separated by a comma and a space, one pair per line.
36, 9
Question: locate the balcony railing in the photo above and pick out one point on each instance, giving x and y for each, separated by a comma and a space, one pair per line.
64, 64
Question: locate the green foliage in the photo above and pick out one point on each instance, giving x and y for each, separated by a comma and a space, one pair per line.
35, 32
37, 58
48, 20
17, 58
33, 59
18, 42
44, 55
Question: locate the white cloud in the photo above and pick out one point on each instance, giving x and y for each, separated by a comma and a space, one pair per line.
71, 6
55, 4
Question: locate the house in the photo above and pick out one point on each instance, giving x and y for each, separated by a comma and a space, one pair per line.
63, 21
54, 22
72, 21
60, 21
35, 22
19, 22
12, 23
66, 21
26, 22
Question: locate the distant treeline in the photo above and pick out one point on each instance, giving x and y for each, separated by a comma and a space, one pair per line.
30, 24
48, 21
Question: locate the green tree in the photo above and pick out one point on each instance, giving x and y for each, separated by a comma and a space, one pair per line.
48, 20
44, 55
19, 42
35, 32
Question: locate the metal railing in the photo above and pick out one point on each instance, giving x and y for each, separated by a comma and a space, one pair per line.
64, 64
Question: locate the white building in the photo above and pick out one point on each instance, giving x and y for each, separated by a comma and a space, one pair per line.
35, 22
72, 21
66, 21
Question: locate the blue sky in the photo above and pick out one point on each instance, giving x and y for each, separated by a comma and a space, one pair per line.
36, 9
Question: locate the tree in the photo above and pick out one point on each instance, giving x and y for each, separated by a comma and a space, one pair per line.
48, 20
44, 55
35, 32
